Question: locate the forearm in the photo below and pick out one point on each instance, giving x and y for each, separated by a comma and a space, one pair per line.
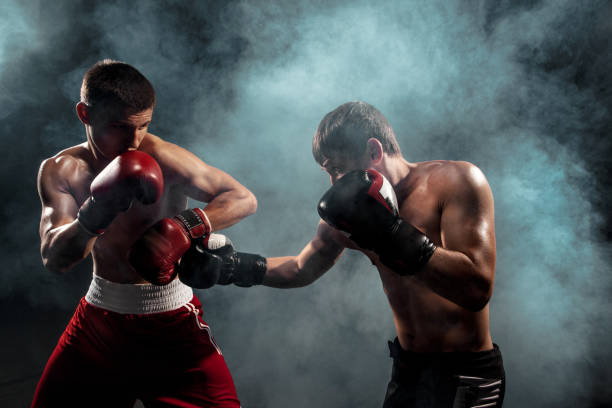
229, 207
65, 246
214, 261
296, 271
448, 270
284, 272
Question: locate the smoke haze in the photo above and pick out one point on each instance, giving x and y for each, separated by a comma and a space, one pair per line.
521, 89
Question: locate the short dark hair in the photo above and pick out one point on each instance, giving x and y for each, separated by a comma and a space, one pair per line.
110, 83
345, 131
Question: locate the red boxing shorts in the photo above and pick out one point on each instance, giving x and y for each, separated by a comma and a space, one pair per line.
128, 342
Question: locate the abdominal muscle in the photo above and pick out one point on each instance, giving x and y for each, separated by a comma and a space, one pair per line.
424, 320
427, 322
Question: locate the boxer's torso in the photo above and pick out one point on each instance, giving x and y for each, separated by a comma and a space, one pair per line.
424, 320
110, 251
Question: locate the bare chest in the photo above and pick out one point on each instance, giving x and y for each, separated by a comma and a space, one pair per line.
421, 208
112, 247
128, 226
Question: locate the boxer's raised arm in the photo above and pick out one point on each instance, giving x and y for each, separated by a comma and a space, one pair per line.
463, 268
156, 253
63, 241
228, 200
317, 257
67, 233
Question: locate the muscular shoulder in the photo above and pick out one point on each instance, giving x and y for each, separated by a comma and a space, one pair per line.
457, 173
70, 158
458, 180
156, 146
174, 160
61, 171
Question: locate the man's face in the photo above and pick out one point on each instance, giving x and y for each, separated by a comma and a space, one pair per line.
116, 131
338, 166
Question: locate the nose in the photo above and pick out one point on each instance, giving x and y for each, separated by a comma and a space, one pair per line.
133, 139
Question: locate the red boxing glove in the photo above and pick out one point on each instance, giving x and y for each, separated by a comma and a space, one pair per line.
133, 175
156, 253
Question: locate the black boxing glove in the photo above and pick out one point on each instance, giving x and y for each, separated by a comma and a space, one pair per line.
213, 261
363, 204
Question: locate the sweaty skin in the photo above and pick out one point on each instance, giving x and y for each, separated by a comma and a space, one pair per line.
63, 185
443, 307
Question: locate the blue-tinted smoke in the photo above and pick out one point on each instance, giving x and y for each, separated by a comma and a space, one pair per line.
17, 33
457, 80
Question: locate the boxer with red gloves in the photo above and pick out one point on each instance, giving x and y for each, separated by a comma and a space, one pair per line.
132, 175
428, 228
159, 249
106, 197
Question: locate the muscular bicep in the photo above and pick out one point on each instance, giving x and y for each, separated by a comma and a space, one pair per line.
208, 182
228, 200
58, 205
199, 180
467, 221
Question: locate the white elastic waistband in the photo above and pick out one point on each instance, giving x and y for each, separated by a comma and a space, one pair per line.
137, 298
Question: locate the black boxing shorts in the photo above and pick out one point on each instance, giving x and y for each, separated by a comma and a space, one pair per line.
445, 379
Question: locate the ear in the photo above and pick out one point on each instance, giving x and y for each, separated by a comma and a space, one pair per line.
375, 151
83, 113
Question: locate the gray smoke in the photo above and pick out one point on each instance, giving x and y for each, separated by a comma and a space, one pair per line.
514, 88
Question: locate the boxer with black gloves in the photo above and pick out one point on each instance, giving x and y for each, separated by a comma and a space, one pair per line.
121, 196
428, 228
363, 204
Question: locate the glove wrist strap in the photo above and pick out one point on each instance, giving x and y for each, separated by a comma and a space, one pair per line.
196, 222
92, 220
407, 251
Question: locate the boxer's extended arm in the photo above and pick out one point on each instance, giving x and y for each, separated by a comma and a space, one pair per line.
215, 261
63, 242
463, 268
317, 257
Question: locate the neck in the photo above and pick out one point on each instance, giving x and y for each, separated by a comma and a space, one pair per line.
395, 168
99, 160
